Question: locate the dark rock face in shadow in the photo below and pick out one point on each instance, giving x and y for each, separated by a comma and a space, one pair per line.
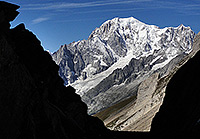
180, 111
34, 104
33, 101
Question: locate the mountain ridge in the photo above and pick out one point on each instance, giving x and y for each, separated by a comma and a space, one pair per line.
111, 55
117, 43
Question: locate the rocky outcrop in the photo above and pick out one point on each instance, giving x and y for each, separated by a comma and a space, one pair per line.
34, 104
7, 13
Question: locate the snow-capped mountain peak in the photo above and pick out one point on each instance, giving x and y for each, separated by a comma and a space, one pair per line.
118, 25
116, 44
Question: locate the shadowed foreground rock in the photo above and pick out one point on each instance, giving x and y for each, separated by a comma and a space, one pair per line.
33, 101
180, 111
34, 104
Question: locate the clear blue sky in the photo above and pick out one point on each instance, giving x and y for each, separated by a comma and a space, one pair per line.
58, 22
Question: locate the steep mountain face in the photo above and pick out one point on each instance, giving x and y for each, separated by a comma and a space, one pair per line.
120, 39
118, 56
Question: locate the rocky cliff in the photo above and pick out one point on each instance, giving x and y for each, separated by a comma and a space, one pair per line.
34, 104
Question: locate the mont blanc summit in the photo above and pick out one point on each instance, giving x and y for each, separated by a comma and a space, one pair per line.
122, 51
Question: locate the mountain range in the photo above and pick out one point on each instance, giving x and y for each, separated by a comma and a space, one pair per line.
118, 56
35, 104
